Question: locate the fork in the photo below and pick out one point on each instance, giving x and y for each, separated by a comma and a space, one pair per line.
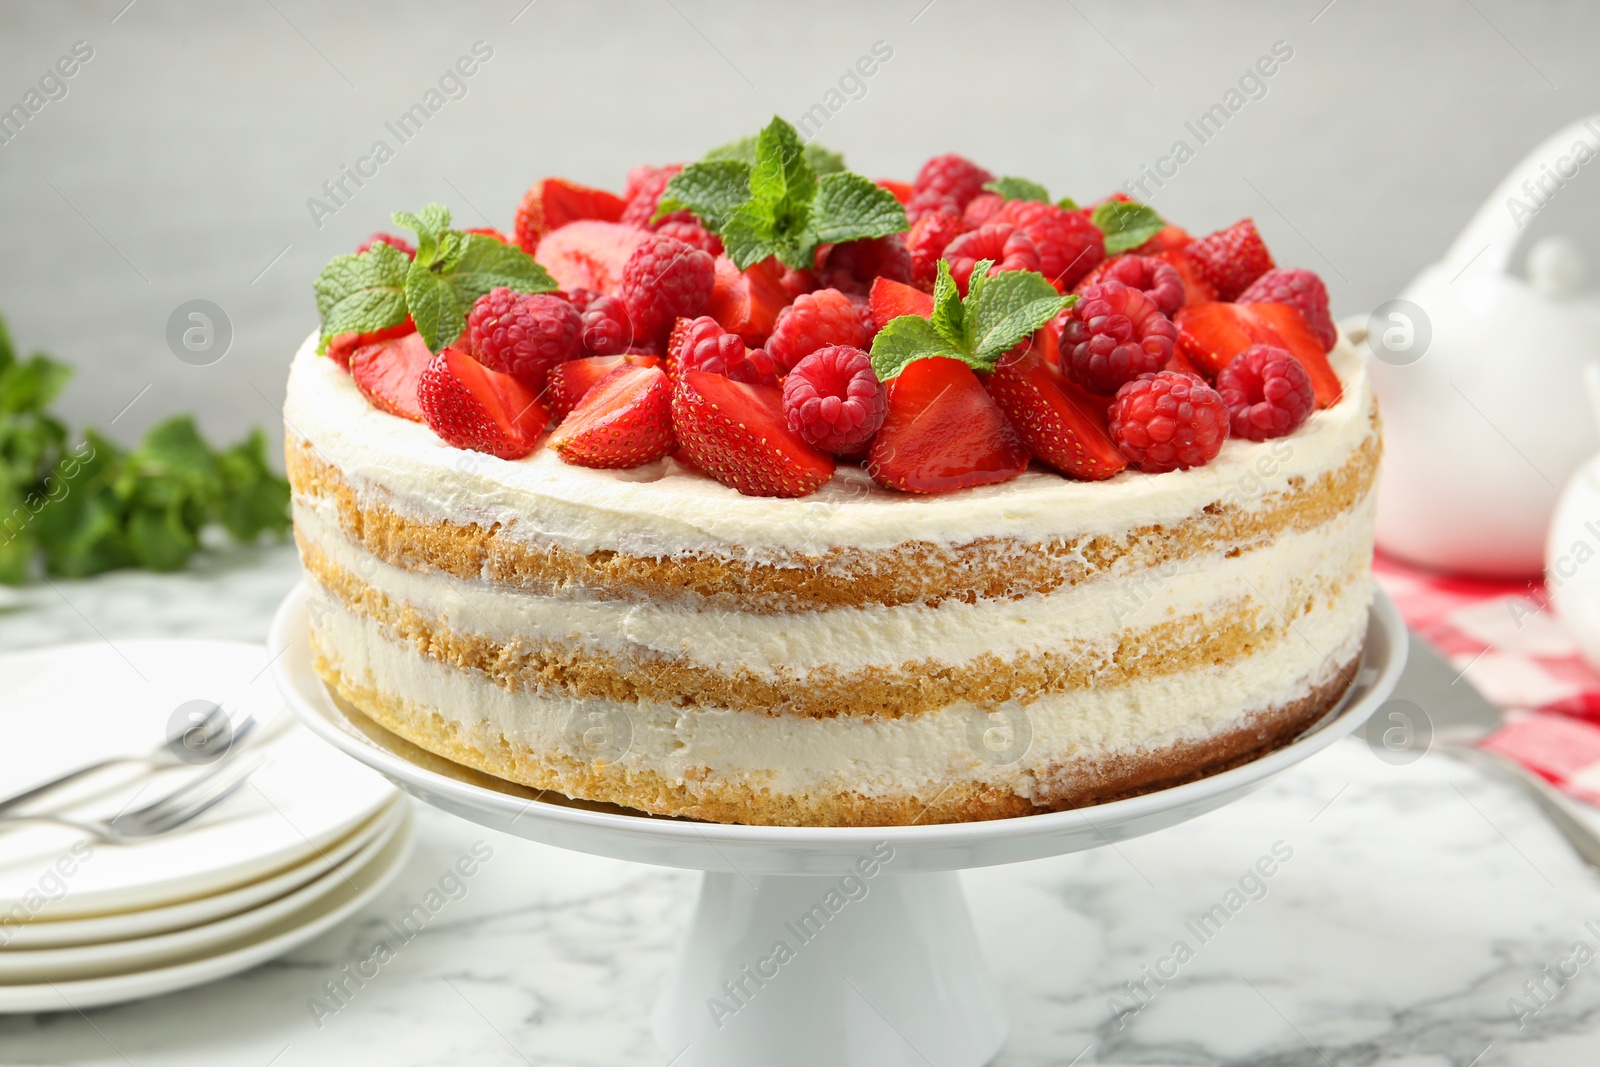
211, 732
168, 812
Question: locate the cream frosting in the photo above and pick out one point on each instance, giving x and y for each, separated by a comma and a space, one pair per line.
916, 755
1270, 582
667, 509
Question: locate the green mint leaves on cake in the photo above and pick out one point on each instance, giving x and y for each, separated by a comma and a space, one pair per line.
766, 199
997, 313
1127, 224
377, 289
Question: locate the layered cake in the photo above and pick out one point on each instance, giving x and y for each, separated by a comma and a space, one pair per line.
986, 505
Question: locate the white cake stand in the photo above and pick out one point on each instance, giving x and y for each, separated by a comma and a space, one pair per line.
816, 946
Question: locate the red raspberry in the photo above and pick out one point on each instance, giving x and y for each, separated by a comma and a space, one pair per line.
813, 321
391, 240
578, 296
851, 267
1069, 245
686, 228
1009, 247
1115, 334
706, 346
663, 279
1159, 279
983, 208
945, 180
643, 193
1302, 289
1168, 421
927, 241
1231, 259
833, 399
522, 335
606, 329
1267, 391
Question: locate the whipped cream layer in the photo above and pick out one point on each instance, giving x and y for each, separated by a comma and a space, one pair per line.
666, 509
1013, 746
1267, 584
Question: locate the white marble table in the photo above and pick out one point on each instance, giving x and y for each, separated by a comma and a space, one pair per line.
1416, 906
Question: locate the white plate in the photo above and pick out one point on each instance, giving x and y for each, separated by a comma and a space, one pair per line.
145, 953
241, 954
66, 705
102, 929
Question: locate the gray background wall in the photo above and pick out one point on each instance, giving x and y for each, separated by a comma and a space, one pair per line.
179, 164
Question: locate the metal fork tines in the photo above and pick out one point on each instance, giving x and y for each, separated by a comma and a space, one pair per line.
168, 812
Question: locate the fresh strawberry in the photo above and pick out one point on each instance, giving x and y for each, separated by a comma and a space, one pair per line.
1196, 289
943, 432
1183, 365
1231, 259
737, 433
891, 299
571, 381
554, 202
1212, 334
624, 421
342, 345
1059, 422
589, 255
1170, 239
747, 302
387, 371
902, 190
471, 406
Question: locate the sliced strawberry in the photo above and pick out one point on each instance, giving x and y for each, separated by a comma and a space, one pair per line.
1196, 289
552, 203
891, 299
902, 190
387, 373
569, 382
943, 432
624, 421
1212, 334
737, 434
747, 302
1181, 364
1293, 332
471, 406
1170, 239
342, 345
588, 254
1058, 421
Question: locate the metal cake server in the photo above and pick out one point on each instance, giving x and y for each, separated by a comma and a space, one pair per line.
1461, 717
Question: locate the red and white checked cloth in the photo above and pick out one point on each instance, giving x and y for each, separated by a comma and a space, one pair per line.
1506, 639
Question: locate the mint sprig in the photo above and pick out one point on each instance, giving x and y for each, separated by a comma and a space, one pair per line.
772, 202
1018, 189
1126, 224
996, 314
743, 151
380, 287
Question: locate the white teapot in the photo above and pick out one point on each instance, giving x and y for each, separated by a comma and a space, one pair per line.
1572, 550
1477, 376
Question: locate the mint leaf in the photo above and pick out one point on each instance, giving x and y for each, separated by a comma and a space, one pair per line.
30, 385
1066, 203
903, 341
429, 225
997, 313
1008, 308
743, 150
1126, 224
948, 316
713, 191
439, 294
849, 207
359, 294
762, 196
8, 355
1018, 189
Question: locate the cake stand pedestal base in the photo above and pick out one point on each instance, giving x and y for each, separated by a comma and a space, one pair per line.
848, 971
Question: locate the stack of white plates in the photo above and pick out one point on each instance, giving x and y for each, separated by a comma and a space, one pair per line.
306, 842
